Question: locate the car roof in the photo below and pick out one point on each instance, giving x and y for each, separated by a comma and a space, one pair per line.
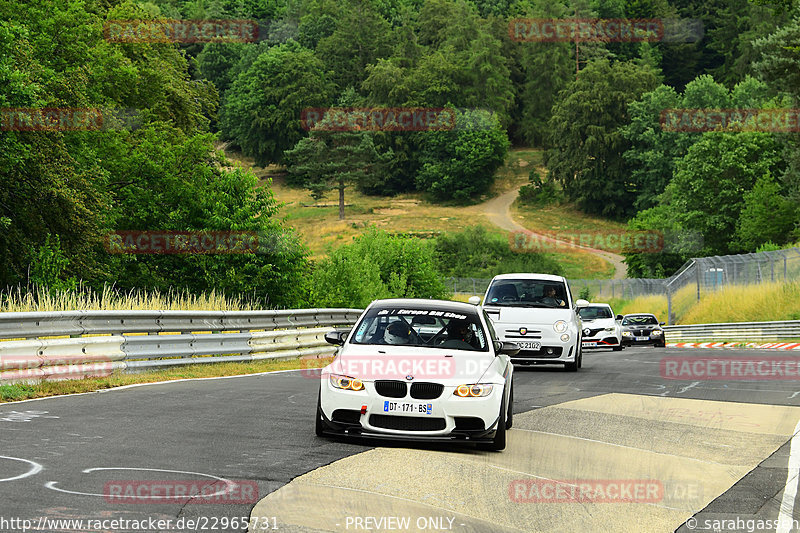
640, 314
528, 275
425, 303
599, 305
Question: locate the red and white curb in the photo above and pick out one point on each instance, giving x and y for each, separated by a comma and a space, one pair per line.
751, 345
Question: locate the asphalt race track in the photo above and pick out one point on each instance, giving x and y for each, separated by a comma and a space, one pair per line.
718, 451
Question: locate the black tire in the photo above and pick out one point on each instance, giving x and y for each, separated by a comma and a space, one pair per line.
617, 348
580, 359
662, 345
319, 428
499, 442
510, 410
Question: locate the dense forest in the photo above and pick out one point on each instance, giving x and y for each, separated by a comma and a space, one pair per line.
596, 106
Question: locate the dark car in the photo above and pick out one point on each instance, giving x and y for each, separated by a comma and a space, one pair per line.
642, 328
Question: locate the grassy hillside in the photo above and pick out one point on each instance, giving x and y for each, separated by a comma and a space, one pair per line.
317, 221
734, 303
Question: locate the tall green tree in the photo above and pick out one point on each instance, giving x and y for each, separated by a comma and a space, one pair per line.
327, 160
262, 109
768, 216
460, 164
586, 158
361, 37
707, 191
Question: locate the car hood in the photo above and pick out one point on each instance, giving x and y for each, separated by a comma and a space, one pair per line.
529, 315
447, 366
598, 323
646, 327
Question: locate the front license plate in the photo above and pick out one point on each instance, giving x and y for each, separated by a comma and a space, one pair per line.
530, 345
408, 407
589, 344
642, 338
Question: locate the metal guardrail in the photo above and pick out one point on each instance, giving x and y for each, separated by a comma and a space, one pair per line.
101, 342
739, 331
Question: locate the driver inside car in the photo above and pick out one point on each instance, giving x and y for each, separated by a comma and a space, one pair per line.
459, 331
550, 297
397, 333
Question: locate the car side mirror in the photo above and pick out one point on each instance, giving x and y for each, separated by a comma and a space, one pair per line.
508, 348
337, 337
475, 300
581, 303
662, 323
619, 317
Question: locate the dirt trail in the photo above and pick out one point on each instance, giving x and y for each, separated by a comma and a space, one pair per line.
498, 211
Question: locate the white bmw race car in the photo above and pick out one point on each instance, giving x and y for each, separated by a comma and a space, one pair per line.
426, 370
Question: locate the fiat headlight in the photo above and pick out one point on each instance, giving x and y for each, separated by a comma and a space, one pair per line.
560, 326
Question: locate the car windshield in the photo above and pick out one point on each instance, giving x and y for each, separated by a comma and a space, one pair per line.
527, 293
428, 328
646, 320
591, 313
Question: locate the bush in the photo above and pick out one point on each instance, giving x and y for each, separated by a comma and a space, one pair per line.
460, 164
476, 253
538, 192
377, 265
585, 294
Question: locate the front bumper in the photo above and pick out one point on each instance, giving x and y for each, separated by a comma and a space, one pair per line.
601, 342
553, 350
655, 340
452, 418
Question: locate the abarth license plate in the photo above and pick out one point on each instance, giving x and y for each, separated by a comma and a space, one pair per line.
529, 345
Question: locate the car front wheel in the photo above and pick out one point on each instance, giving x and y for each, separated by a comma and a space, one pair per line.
510, 410
499, 442
318, 427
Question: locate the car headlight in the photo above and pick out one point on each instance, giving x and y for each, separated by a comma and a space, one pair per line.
627, 334
656, 332
473, 390
346, 382
564, 337
560, 326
